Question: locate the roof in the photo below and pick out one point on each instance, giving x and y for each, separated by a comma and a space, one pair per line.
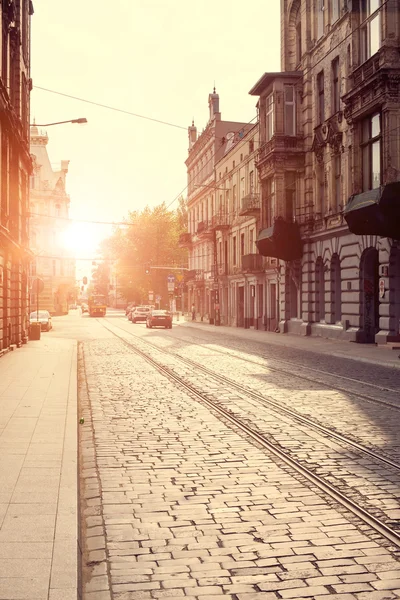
267, 78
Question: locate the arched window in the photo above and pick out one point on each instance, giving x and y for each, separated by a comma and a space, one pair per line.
336, 289
319, 290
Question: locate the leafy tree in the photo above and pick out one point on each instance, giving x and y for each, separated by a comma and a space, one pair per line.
149, 240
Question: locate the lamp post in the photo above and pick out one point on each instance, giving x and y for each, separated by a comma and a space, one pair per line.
80, 121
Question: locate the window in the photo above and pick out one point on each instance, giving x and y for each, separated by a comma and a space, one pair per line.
321, 190
33, 269
335, 10
320, 18
298, 38
251, 146
269, 117
290, 110
290, 195
228, 208
62, 268
370, 31
242, 251
269, 200
321, 97
54, 267
58, 210
337, 169
234, 250
371, 152
251, 182
242, 187
335, 86
234, 200
251, 241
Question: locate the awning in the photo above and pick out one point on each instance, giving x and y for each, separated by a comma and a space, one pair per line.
376, 212
282, 240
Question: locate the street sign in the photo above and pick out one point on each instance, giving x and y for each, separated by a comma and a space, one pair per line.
381, 288
151, 296
171, 278
158, 298
179, 277
37, 286
171, 286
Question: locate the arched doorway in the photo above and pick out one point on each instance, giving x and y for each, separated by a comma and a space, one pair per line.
394, 291
336, 289
369, 277
319, 290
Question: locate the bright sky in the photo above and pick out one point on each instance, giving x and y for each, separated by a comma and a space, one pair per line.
157, 58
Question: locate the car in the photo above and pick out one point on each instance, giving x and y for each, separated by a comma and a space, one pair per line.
159, 318
129, 307
44, 319
73, 306
140, 313
84, 308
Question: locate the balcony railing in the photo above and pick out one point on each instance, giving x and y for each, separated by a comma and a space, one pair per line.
185, 239
194, 275
204, 229
250, 204
252, 263
220, 221
281, 144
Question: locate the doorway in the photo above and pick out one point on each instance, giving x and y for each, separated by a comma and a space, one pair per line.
240, 306
369, 272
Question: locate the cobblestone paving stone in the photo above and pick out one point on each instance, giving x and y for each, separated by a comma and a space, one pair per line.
369, 483
192, 509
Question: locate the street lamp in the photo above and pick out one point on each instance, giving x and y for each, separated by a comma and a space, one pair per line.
80, 121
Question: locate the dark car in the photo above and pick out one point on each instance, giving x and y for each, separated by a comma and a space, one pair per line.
159, 318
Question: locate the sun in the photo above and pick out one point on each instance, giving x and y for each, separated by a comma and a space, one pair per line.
82, 239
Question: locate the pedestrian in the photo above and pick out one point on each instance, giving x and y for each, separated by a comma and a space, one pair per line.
193, 312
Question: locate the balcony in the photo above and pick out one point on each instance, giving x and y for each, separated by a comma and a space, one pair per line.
250, 205
280, 144
376, 212
204, 230
282, 240
252, 263
195, 276
185, 240
220, 222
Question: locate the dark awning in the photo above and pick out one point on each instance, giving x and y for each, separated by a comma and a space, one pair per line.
282, 240
376, 212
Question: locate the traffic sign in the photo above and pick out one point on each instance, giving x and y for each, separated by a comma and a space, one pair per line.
171, 278
37, 285
179, 276
171, 286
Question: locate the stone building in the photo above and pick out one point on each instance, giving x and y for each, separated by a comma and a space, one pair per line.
49, 210
329, 166
243, 274
205, 151
15, 167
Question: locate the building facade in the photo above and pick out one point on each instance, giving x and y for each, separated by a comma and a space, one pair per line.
329, 168
205, 150
15, 168
49, 220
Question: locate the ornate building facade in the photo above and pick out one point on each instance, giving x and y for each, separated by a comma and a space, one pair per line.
15, 168
329, 167
205, 151
49, 210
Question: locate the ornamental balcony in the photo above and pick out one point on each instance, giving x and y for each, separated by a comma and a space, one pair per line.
252, 263
279, 144
204, 231
195, 276
250, 205
220, 221
185, 240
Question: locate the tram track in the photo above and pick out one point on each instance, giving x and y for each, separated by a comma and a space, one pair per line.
379, 525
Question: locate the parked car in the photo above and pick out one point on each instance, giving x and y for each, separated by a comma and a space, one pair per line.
129, 307
44, 319
73, 306
159, 318
140, 313
84, 308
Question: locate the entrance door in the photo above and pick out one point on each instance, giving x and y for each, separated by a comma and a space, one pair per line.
240, 307
369, 294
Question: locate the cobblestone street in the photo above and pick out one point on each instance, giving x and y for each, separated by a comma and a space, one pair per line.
179, 501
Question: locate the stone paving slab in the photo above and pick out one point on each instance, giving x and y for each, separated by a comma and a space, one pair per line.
38, 471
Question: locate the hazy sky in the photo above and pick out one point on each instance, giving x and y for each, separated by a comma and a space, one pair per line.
157, 58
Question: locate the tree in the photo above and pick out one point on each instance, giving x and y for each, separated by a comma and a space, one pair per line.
100, 279
149, 239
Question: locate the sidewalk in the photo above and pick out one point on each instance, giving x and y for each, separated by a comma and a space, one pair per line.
38, 471
369, 353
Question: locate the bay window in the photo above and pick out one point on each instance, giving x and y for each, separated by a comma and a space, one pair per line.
371, 152
269, 117
290, 110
